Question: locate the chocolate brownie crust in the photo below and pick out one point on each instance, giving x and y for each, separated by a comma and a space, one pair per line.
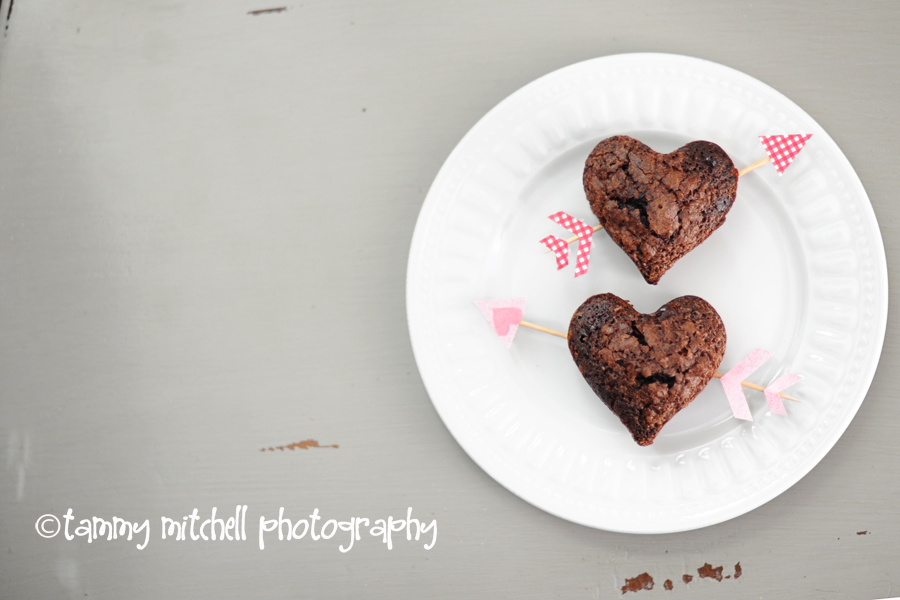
658, 207
646, 368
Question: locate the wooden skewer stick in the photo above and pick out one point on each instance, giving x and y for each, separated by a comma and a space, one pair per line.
746, 384
543, 329
756, 387
755, 165
575, 237
741, 173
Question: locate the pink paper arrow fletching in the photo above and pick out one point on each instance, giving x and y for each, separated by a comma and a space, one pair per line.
783, 148
504, 315
777, 386
731, 381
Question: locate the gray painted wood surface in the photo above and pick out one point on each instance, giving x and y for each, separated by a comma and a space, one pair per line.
205, 216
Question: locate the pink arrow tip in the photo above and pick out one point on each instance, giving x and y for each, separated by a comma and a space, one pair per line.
504, 315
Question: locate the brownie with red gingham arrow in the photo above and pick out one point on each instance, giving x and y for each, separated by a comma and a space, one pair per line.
658, 207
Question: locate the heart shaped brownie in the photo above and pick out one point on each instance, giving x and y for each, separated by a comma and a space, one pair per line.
658, 207
646, 368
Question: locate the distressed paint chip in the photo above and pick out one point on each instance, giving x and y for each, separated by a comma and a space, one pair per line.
304, 445
636, 584
8, 15
707, 571
668, 584
264, 11
687, 578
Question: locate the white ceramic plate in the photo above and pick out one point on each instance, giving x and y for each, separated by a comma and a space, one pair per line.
798, 269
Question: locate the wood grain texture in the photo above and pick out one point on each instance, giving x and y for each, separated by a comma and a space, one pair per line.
173, 175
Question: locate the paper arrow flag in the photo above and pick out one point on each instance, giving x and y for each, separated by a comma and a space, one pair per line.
783, 148
504, 315
584, 233
731, 381
771, 392
560, 248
